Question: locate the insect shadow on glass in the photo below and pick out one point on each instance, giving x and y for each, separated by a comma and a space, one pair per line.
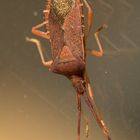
64, 28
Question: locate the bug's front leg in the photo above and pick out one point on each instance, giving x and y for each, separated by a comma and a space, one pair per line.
95, 52
89, 86
97, 117
39, 47
91, 93
79, 115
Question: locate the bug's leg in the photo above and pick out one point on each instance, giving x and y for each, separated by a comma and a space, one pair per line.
90, 15
89, 86
79, 115
90, 89
39, 47
36, 31
97, 112
95, 52
97, 117
86, 123
91, 94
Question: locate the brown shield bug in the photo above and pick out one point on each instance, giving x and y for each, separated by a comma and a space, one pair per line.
64, 28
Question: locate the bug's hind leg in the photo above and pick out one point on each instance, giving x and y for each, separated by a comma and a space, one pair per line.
100, 52
79, 115
36, 31
90, 15
39, 47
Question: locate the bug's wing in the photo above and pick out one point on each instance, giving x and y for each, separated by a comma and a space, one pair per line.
73, 32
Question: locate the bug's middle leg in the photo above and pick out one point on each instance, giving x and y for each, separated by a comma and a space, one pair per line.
36, 31
39, 47
90, 15
100, 51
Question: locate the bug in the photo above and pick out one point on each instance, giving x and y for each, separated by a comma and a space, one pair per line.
64, 28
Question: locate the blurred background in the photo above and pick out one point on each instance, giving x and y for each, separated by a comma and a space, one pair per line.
36, 104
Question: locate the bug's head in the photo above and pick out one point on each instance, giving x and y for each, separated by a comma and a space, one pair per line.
78, 83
